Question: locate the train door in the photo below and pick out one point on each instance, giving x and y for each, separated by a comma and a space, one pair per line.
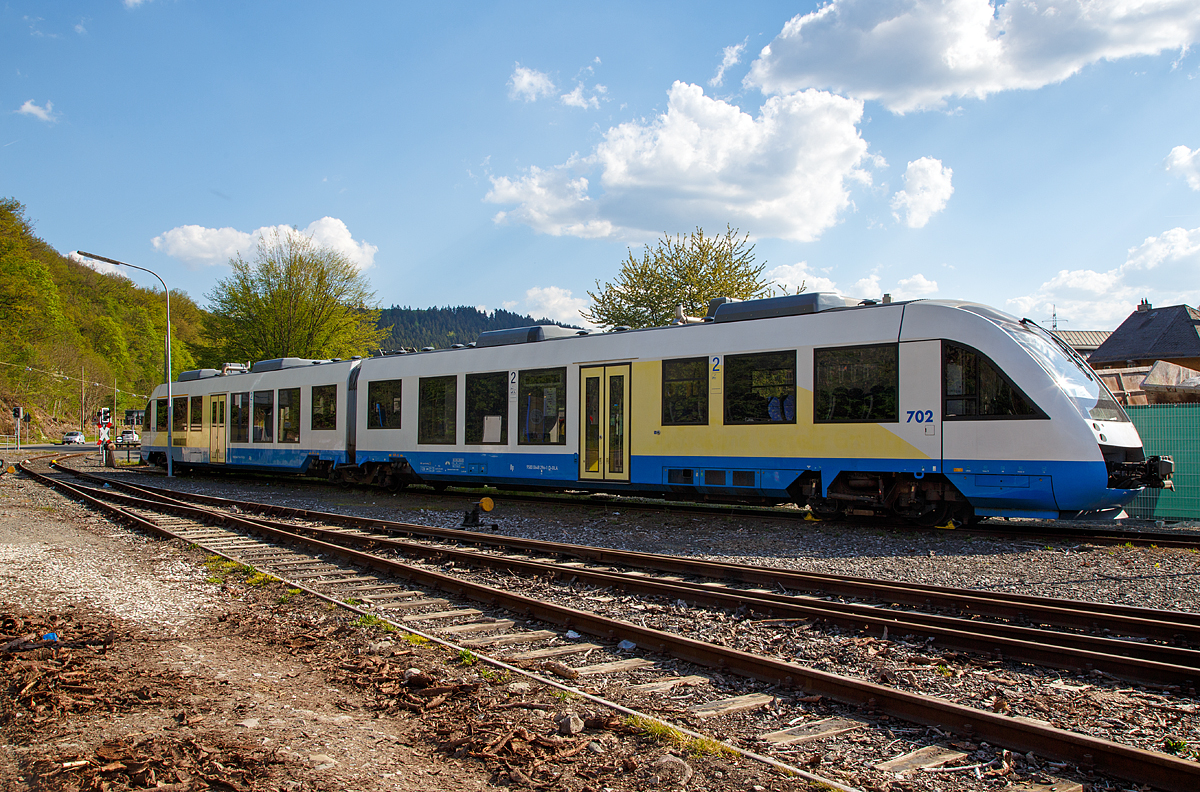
921, 402
216, 428
604, 423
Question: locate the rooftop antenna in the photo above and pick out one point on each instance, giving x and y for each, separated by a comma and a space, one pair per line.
1054, 317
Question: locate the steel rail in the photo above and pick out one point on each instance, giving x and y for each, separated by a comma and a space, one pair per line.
1148, 663
642, 502
1172, 626
1092, 753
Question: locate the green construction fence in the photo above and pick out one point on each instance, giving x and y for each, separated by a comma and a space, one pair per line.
1170, 429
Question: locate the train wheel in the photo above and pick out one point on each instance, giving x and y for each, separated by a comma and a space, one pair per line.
825, 509
938, 514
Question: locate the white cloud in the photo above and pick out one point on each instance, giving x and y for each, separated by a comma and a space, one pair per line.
1161, 269
914, 54
576, 97
134, 3
916, 286
529, 84
42, 113
552, 302
199, 246
926, 190
868, 287
1187, 162
731, 56
702, 162
333, 233
790, 277
550, 201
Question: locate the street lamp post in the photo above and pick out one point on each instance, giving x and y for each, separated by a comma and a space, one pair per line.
170, 403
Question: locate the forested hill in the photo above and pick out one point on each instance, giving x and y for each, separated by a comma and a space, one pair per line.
66, 329
442, 327
61, 319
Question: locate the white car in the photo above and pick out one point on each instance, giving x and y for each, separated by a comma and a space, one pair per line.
129, 438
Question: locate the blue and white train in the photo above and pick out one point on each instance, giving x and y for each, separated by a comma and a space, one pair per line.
929, 410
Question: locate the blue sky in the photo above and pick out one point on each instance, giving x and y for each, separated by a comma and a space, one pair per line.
1024, 155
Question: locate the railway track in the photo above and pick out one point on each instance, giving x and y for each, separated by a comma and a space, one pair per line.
882, 607
336, 557
1107, 533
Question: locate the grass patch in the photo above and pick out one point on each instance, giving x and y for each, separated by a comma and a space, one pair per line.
259, 579
467, 658
216, 581
707, 746
372, 621
287, 595
352, 601
669, 735
416, 640
659, 732
944, 671
1173, 746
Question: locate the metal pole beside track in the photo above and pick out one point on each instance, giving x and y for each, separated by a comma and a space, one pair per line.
167, 373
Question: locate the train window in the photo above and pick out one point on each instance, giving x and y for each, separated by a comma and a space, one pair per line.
760, 388
383, 404
975, 388
542, 407
197, 413
239, 418
437, 403
743, 478
324, 407
289, 415
263, 423
179, 416
160, 415
857, 384
487, 408
147, 416
685, 392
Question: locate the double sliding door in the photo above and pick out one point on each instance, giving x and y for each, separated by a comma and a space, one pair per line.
604, 424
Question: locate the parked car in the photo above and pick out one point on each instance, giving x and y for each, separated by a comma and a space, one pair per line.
128, 437
74, 438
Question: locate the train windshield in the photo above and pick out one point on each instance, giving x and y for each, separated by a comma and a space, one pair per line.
1069, 371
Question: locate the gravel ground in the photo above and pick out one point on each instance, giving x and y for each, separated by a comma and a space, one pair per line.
1149, 577
265, 689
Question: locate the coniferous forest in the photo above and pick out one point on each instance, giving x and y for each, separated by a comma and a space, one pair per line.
417, 328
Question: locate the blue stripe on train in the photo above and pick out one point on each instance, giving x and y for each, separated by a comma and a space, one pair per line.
994, 487
276, 457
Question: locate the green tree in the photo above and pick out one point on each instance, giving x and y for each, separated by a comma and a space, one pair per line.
295, 298
683, 270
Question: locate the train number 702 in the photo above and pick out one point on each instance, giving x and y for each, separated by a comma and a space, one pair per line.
922, 416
